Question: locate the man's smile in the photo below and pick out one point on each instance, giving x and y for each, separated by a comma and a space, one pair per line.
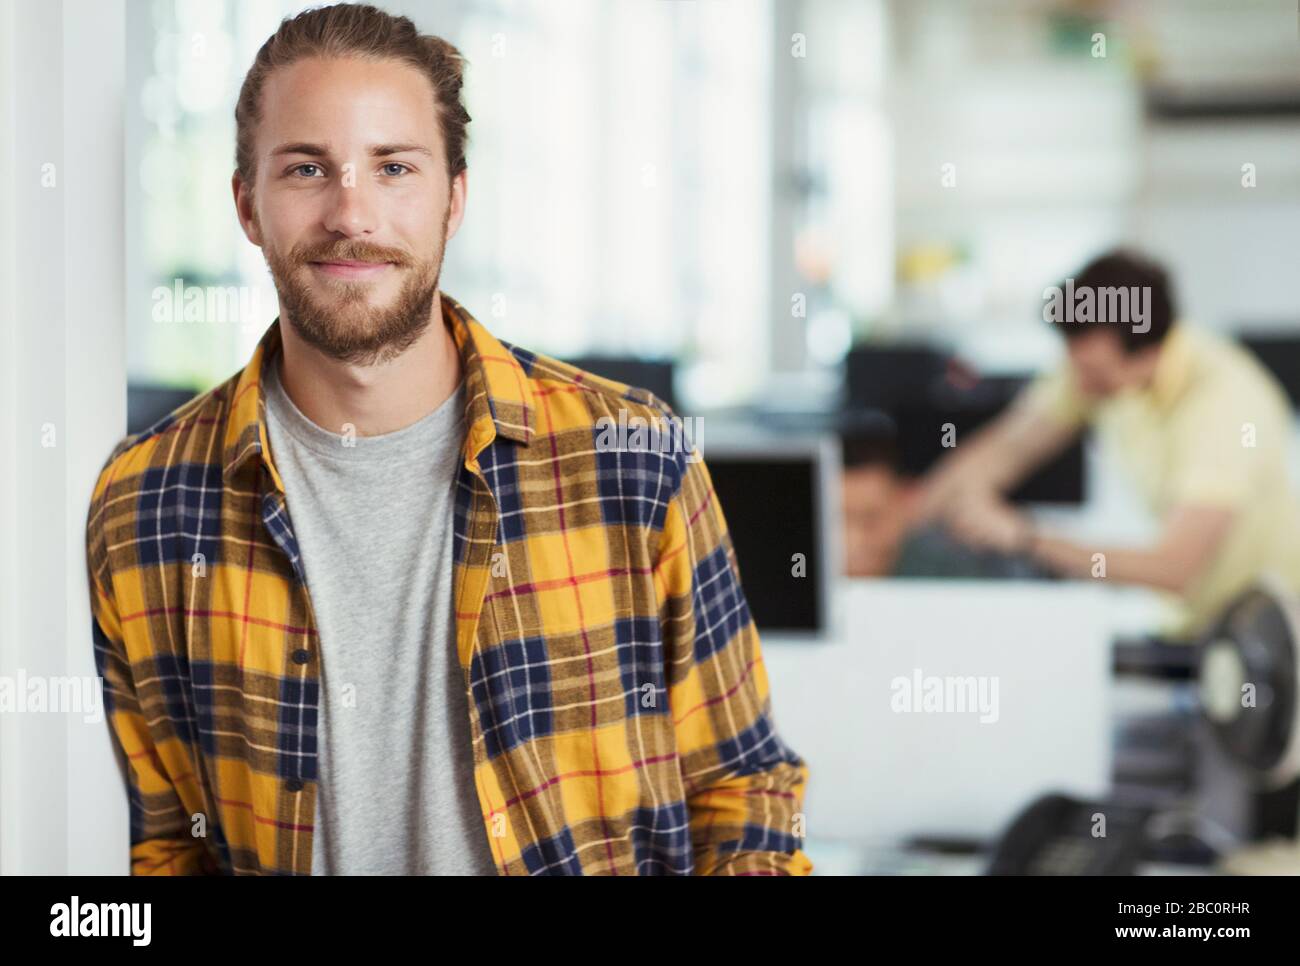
351, 269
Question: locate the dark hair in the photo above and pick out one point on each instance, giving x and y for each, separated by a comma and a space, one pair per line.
869, 441
355, 30
1128, 270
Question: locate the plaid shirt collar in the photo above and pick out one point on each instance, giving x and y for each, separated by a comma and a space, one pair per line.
498, 399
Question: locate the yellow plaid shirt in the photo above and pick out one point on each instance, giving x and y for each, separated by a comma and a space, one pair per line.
619, 705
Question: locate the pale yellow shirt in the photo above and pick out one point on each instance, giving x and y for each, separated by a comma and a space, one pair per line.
1213, 429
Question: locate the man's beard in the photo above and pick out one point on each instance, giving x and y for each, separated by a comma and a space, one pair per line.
348, 328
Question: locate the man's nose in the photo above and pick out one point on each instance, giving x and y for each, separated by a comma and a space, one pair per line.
352, 211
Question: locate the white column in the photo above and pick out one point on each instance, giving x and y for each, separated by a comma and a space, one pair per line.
63, 393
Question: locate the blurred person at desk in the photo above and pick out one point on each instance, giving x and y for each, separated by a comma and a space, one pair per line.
883, 533
1202, 429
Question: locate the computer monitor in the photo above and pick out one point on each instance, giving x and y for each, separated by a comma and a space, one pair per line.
655, 375
146, 403
780, 497
888, 376
1279, 352
923, 431
923, 391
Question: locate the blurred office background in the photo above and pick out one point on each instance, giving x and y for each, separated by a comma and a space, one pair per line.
793, 216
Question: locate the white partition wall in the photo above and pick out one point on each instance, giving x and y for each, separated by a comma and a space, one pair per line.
62, 407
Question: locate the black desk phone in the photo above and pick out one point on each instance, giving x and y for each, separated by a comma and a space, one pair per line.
1060, 835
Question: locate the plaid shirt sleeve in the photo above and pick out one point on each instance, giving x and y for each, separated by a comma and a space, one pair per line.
161, 842
744, 785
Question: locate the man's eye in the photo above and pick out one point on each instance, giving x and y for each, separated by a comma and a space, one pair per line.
307, 170
395, 168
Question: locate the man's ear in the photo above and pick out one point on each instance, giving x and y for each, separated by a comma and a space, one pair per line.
456, 204
244, 209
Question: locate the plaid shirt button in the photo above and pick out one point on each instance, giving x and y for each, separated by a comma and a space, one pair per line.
301, 656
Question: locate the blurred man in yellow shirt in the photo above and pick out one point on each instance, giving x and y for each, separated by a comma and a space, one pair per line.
1203, 430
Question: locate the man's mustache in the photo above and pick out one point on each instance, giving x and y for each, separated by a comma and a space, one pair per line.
348, 251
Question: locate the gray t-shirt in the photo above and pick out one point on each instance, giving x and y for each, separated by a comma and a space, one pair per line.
373, 518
